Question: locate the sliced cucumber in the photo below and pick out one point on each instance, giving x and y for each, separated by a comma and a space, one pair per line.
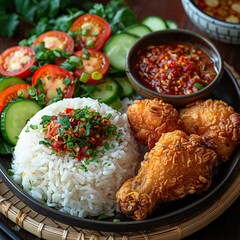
15, 116
6, 82
171, 24
155, 23
138, 30
108, 91
127, 89
117, 47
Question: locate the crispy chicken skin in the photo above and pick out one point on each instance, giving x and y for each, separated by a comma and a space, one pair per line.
178, 165
150, 118
216, 122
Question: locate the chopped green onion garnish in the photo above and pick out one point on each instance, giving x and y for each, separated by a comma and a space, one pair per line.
96, 76
76, 61
33, 68
198, 85
89, 43
84, 77
85, 53
67, 81
20, 93
34, 127
116, 220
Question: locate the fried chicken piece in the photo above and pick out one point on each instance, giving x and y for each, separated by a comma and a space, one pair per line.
150, 118
178, 165
216, 122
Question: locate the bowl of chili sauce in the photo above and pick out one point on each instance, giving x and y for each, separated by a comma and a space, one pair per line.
219, 19
177, 66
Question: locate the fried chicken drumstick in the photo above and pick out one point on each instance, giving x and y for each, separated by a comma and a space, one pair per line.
178, 165
150, 118
216, 122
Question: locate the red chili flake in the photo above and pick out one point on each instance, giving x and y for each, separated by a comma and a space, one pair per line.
174, 68
78, 132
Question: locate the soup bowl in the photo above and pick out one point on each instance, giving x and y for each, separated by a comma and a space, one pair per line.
223, 31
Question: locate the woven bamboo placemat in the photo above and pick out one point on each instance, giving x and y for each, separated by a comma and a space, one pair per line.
49, 229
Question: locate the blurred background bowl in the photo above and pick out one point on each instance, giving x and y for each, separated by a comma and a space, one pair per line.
218, 29
173, 36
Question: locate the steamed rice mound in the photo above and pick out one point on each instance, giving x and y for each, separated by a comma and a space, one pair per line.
76, 187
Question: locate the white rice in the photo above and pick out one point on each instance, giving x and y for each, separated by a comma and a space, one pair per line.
60, 181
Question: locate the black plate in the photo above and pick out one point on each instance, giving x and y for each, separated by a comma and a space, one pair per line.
170, 213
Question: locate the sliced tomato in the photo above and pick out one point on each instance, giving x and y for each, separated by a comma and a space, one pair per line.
12, 92
54, 77
95, 62
17, 61
91, 31
56, 39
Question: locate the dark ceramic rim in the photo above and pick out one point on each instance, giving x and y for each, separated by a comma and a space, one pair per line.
132, 226
181, 32
228, 24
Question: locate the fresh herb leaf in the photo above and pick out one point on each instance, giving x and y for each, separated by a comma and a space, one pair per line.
10, 172
102, 216
45, 120
5, 148
116, 220
8, 23
33, 10
67, 81
117, 13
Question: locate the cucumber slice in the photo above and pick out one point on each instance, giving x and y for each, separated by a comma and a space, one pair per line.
117, 47
108, 91
127, 89
9, 81
154, 23
139, 30
171, 24
15, 116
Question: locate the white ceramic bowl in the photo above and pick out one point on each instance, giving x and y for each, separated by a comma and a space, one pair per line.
215, 28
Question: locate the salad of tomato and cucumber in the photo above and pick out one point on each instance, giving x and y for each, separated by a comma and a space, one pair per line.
85, 60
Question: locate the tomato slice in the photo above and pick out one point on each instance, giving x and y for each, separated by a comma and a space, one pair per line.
95, 62
91, 31
56, 39
54, 77
12, 92
17, 61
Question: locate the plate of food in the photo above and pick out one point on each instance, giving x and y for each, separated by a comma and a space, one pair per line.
167, 213
90, 153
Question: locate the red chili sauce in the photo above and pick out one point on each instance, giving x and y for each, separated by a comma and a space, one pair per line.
78, 132
174, 68
226, 10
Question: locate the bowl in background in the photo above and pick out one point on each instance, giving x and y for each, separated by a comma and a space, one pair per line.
173, 36
218, 29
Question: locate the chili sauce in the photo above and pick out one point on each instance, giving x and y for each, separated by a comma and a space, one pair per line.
175, 68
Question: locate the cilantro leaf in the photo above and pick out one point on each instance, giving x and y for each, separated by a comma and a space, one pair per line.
32, 10
5, 148
8, 23
117, 13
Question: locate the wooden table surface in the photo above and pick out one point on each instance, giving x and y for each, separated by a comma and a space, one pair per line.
227, 226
